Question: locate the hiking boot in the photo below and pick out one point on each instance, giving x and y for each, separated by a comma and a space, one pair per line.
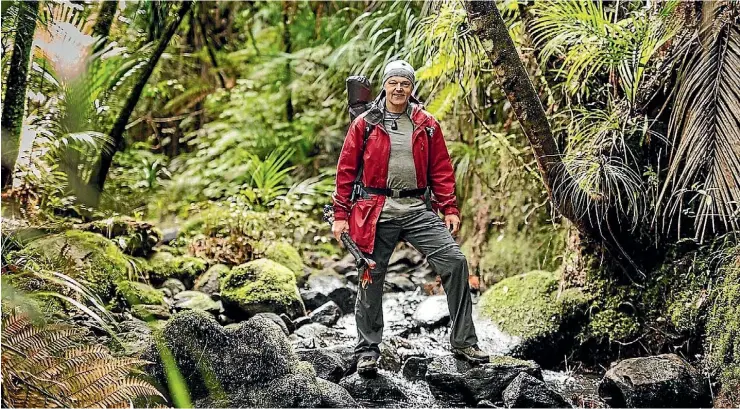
471, 354
367, 366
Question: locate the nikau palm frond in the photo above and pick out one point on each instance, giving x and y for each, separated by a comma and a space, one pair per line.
703, 179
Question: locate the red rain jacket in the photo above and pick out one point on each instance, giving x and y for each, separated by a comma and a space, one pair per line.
433, 168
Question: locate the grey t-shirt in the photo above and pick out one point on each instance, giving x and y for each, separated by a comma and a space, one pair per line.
401, 168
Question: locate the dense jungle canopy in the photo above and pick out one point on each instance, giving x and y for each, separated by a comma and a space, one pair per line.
165, 165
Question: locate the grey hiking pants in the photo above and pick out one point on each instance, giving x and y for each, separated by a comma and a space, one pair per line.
427, 233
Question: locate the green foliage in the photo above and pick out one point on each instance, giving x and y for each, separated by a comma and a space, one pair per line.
512, 251
594, 43
601, 157
613, 325
135, 175
227, 232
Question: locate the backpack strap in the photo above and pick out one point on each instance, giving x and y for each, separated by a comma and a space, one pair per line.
357, 189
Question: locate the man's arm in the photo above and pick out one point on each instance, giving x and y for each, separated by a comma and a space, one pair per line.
347, 167
441, 174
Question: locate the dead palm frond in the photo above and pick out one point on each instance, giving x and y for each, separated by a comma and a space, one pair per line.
46, 366
703, 179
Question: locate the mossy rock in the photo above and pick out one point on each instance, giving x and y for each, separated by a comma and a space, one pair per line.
287, 255
530, 306
185, 268
134, 237
261, 286
723, 329
87, 257
132, 293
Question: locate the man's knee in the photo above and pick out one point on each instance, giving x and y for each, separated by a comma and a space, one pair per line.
452, 262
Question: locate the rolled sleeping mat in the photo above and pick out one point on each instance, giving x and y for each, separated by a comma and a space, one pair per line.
359, 95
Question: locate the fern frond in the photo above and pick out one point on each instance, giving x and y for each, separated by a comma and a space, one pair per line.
128, 389
42, 367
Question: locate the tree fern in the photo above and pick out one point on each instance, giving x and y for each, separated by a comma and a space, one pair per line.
47, 367
703, 180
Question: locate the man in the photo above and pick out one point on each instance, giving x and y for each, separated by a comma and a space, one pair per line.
404, 158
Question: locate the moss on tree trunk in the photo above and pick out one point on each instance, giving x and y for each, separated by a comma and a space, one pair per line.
15, 95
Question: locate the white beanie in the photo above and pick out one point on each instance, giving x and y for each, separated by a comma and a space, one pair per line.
399, 68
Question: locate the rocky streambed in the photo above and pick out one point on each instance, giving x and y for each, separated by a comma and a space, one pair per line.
264, 334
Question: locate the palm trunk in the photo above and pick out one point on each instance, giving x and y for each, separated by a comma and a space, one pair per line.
116, 133
104, 22
15, 96
487, 24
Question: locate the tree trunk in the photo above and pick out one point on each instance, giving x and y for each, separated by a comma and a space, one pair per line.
289, 110
487, 24
104, 22
106, 157
15, 97
510, 74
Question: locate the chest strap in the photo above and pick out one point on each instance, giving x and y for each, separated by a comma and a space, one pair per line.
396, 193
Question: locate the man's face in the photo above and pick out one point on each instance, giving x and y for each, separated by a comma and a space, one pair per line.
398, 90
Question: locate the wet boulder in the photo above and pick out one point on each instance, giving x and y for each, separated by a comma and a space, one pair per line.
345, 298
455, 382
210, 281
135, 336
387, 389
252, 363
415, 368
325, 282
261, 286
432, 312
276, 319
313, 299
150, 312
174, 286
327, 364
526, 391
399, 283
327, 314
334, 396
655, 381
196, 300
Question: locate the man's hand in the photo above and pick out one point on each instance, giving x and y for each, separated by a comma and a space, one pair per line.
337, 228
452, 221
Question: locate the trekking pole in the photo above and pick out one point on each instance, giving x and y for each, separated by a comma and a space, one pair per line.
363, 264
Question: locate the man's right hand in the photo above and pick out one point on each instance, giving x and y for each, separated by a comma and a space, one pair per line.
337, 228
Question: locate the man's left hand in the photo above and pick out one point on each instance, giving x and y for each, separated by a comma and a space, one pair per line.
452, 221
